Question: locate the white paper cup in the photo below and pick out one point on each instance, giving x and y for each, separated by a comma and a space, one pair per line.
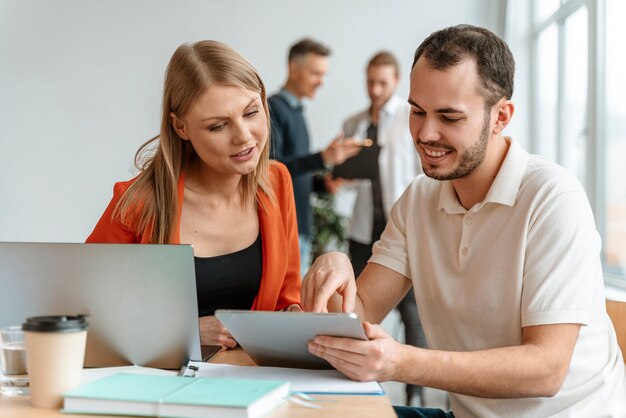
55, 350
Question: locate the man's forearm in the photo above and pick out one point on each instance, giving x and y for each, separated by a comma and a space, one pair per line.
302, 164
528, 370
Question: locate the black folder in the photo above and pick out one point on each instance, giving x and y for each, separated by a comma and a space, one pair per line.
364, 165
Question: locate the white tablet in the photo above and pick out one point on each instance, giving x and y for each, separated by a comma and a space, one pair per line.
280, 339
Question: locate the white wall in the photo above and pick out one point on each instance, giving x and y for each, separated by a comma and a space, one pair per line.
80, 83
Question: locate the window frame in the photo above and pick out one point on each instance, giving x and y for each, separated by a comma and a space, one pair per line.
595, 177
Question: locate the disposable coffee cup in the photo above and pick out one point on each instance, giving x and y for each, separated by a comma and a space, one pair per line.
55, 351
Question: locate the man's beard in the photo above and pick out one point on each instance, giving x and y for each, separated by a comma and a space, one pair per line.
470, 159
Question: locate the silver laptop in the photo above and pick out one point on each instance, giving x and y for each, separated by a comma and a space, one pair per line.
140, 299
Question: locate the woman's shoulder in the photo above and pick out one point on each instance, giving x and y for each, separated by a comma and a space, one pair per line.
279, 180
120, 187
278, 172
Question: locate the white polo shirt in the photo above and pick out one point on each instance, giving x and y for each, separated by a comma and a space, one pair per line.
527, 255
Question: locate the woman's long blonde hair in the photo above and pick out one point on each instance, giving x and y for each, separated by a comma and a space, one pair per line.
152, 199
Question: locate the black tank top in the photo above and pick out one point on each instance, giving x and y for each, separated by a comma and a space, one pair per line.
229, 281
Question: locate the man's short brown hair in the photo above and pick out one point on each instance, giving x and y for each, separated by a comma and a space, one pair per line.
307, 46
494, 61
384, 58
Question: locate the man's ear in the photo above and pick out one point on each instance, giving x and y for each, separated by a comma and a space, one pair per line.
179, 126
505, 109
294, 68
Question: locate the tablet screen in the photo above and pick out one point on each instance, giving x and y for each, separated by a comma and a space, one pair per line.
280, 339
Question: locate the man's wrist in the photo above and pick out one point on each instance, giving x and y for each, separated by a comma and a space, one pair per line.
326, 161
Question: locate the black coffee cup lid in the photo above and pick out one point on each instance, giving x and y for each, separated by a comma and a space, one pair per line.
56, 323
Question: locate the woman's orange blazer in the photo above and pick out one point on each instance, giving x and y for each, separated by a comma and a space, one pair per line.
280, 281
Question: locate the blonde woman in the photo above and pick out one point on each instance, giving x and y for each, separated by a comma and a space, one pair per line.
207, 180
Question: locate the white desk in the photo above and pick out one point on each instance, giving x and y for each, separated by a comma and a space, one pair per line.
343, 406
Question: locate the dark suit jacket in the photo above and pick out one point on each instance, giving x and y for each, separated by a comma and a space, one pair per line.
290, 145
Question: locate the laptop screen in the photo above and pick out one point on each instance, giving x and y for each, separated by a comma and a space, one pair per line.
140, 299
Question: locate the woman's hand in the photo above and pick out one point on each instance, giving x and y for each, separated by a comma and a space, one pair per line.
212, 332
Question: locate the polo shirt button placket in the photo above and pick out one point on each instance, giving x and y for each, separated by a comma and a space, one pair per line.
463, 258
467, 220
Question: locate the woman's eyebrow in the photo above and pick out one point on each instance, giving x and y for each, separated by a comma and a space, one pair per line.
250, 103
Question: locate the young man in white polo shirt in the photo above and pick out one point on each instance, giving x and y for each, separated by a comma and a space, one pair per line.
501, 249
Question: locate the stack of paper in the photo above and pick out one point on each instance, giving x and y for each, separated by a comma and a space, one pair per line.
301, 380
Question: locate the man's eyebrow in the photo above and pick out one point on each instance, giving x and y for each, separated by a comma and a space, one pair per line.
412, 103
443, 110
250, 103
449, 110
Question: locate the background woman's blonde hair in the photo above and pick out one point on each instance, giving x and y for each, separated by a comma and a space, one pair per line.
152, 200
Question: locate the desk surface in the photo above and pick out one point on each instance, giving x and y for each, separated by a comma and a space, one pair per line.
342, 406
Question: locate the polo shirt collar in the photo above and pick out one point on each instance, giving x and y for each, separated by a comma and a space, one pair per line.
504, 188
290, 98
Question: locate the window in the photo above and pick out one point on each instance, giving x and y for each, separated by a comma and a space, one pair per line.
579, 112
546, 93
573, 141
615, 122
544, 8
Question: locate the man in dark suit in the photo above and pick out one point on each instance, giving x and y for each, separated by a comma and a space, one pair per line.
308, 63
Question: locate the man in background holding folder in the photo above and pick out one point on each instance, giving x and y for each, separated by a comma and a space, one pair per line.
395, 164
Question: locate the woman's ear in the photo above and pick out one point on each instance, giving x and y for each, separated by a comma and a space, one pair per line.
179, 126
504, 115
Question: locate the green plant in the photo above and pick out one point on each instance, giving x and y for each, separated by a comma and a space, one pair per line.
328, 227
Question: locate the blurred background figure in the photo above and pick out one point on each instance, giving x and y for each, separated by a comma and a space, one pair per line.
307, 67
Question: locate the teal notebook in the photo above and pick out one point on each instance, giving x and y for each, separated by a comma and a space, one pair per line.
175, 396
